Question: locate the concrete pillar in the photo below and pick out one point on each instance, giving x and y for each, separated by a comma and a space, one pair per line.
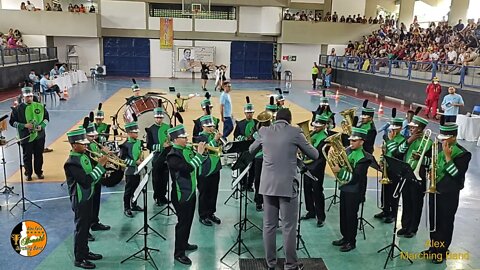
406, 12
371, 8
458, 11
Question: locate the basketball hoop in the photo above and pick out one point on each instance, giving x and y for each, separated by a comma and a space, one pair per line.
196, 8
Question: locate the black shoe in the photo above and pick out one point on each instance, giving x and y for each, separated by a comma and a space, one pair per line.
191, 247
259, 208
40, 176
128, 213
215, 219
183, 260
402, 231
347, 247
380, 215
320, 223
90, 237
162, 201
339, 242
409, 234
84, 264
63, 99
100, 227
250, 189
389, 219
206, 221
29, 178
94, 257
47, 150
137, 208
309, 215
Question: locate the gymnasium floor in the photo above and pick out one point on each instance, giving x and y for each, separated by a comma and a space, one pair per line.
56, 215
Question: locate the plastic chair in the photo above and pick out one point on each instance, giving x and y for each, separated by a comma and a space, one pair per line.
476, 109
46, 92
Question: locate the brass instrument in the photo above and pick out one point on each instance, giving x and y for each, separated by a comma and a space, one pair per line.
432, 189
217, 150
306, 131
347, 122
385, 180
336, 154
422, 148
113, 162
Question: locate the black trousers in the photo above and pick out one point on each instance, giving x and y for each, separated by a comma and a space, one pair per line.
314, 80
349, 204
160, 177
96, 203
390, 204
250, 177
412, 203
34, 149
314, 197
279, 75
258, 172
447, 205
185, 212
132, 182
55, 89
207, 195
82, 226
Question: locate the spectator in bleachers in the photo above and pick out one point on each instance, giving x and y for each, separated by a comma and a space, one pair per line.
342, 19
48, 86
92, 9
334, 17
459, 26
70, 8
76, 8
31, 7
23, 6
48, 7
82, 9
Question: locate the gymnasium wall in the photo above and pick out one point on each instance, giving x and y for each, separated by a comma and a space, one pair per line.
306, 54
88, 50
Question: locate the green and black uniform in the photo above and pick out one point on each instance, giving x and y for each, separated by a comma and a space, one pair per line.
208, 178
244, 130
197, 128
313, 188
82, 176
353, 192
34, 141
103, 131
130, 152
184, 165
98, 188
371, 135
156, 137
450, 180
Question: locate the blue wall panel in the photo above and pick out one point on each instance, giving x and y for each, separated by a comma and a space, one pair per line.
251, 60
127, 56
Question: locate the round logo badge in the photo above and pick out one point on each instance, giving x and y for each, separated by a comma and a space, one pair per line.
37, 111
28, 238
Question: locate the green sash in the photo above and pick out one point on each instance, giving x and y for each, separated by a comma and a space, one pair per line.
442, 164
34, 113
249, 128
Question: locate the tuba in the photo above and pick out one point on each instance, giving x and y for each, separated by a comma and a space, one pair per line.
347, 121
336, 154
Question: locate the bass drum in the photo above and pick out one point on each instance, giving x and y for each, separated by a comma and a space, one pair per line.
112, 177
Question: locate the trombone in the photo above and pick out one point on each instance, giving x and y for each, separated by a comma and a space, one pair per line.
432, 189
422, 148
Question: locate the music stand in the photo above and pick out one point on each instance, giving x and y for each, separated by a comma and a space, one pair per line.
23, 198
142, 188
243, 160
239, 242
401, 170
5, 190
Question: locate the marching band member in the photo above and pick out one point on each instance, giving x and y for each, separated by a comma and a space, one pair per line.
392, 143
131, 152
197, 128
30, 119
412, 193
209, 173
82, 178
244, 130
324, 108
184, 164
368, 125
157, 142
353, 192
280, 99
313, 190
102, 128
92, 136
452, 165
272, 107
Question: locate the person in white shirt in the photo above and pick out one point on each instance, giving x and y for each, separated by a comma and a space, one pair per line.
54, 72
33, 77
451, 104
30, 6
48, 86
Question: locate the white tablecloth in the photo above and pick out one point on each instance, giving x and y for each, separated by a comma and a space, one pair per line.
468, 128
69, 79
82, 77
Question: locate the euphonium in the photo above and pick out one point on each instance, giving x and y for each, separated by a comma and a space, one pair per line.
347, 122
422, 148
306, 131
337, 154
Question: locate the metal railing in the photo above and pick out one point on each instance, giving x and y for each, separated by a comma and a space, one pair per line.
459, 75
27, 55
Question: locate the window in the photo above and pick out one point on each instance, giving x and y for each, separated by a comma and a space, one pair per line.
175, 11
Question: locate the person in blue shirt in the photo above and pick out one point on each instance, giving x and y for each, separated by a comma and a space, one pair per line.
48, 86
451, 104
62, 69
54, 71
405, 130
226, 109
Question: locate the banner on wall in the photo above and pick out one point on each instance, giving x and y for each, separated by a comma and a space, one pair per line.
166, 33
189, 58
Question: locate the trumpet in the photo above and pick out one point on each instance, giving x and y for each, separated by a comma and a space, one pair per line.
422, 148
217, 150
113, 161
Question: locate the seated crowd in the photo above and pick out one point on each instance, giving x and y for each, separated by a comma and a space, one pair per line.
11, 40
58, 7
315, 16
449, 48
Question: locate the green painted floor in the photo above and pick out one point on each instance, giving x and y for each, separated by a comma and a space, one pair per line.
214, 241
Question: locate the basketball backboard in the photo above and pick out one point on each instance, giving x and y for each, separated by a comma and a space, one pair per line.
195, 7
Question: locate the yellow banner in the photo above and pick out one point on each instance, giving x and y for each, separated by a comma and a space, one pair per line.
166, 33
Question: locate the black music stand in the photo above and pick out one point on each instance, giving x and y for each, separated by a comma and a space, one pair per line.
142, 188
403, 171
23, 198
170, 210
243, 160
362, 222
334, 199
5, 190
239, 242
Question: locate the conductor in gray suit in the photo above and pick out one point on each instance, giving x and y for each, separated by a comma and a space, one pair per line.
280, 143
